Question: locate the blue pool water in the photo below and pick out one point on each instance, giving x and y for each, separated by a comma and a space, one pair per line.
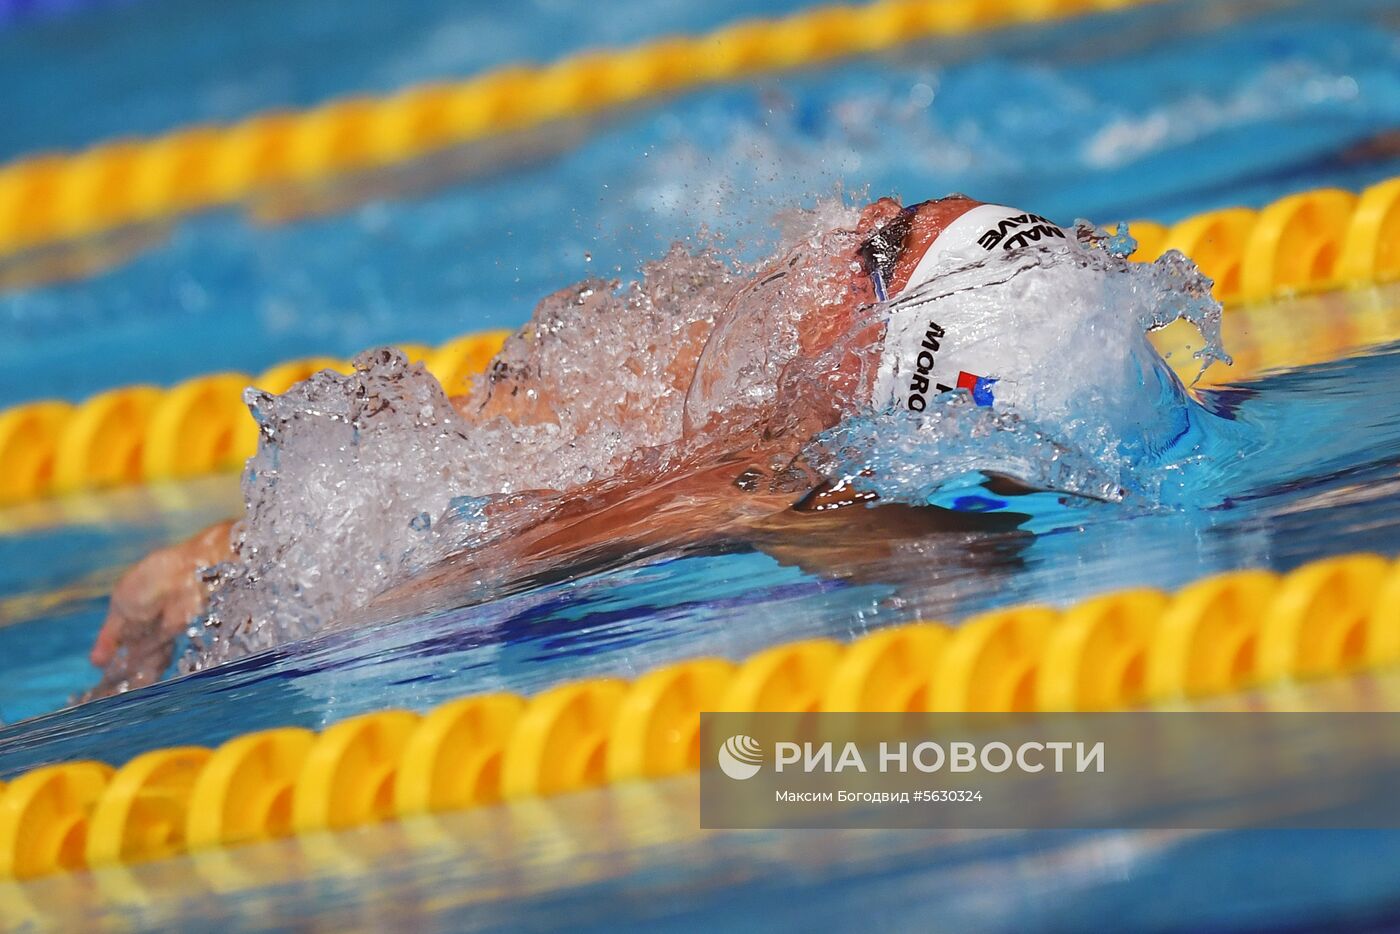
1300, 490
1021, 114
1103, 121
1153, 114
162, 64
631, 856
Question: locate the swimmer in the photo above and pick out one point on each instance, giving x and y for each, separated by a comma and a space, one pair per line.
737, 474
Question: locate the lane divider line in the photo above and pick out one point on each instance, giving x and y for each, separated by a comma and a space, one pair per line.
55, 197
1221, 635
1304, 243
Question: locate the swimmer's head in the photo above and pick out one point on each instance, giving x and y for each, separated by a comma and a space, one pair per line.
807, 337
897, 238
976, 300
834, 293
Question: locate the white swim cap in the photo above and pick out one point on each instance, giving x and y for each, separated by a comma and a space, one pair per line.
936, 341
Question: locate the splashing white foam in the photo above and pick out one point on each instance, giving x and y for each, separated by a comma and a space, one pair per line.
1095, 412
361, 480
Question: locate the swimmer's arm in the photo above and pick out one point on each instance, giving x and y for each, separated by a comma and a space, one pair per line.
155, 600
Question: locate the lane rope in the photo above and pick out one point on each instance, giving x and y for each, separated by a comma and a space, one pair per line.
57, 197
1301, 244
1219, 636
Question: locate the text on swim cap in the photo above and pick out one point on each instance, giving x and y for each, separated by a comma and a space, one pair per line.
923, 366
1040, 229
921, 358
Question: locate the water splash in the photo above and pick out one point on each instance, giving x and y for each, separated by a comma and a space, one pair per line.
346, 468
1096, 411
363, 480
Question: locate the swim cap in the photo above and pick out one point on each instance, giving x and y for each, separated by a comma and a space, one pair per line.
935, 343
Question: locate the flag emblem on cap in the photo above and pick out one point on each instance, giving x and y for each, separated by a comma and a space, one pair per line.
979, 386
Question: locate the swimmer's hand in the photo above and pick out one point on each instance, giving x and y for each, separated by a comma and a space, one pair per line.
150, 605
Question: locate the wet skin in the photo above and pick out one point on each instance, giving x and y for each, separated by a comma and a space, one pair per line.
741, 488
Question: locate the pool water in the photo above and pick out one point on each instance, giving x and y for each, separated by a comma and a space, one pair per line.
631, 855
1103, 119
1301, 490
1239, 103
